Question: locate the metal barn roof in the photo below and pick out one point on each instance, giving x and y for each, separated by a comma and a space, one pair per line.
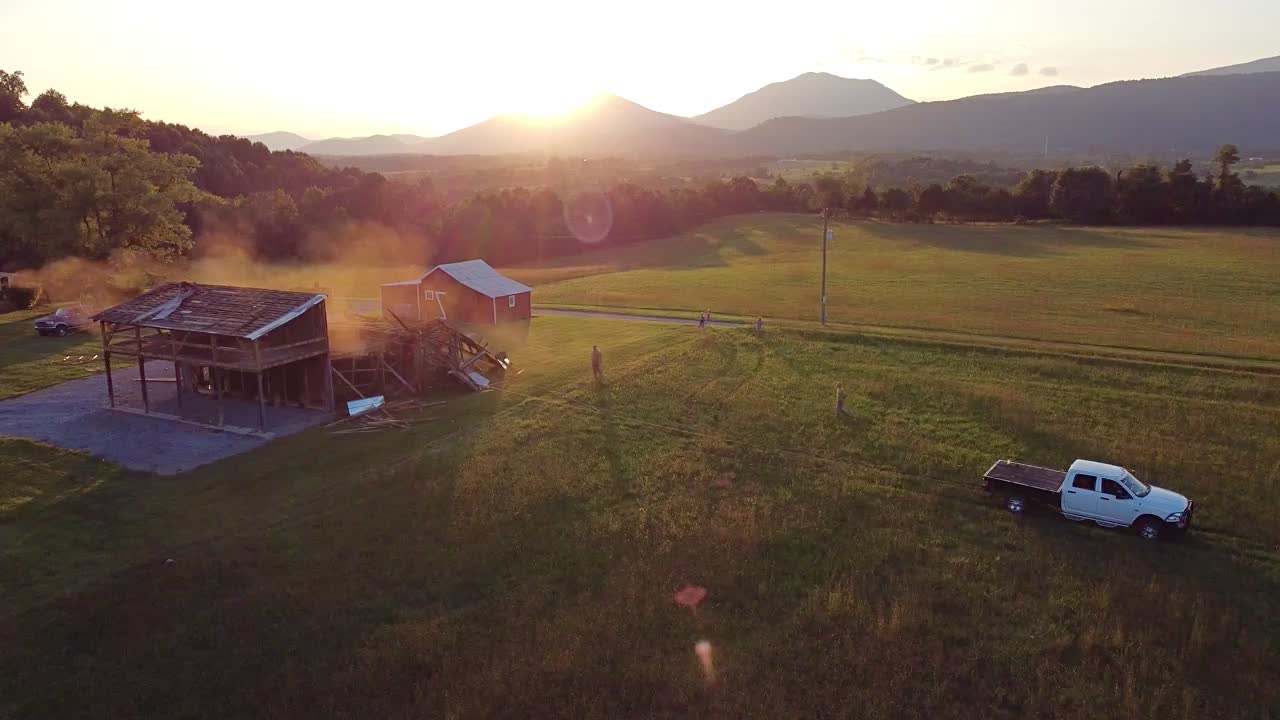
477, 275
215, 309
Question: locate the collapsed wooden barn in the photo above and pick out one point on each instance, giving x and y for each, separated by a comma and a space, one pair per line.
270, 346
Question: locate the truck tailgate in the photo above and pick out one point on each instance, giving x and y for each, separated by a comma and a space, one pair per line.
1031, 476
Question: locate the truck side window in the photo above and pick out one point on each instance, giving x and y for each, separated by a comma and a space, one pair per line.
1084, 482
1111, 487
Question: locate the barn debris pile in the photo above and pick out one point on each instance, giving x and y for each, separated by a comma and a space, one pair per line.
375, 414
387, 356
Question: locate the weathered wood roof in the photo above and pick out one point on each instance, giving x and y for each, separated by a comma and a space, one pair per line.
215, 309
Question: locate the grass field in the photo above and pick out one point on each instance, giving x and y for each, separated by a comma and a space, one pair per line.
1267, 176
1199, 291
517, 557
29, 362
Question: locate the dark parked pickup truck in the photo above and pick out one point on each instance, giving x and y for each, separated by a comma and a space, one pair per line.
63, 320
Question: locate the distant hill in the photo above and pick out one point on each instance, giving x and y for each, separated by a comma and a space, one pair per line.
1271, 64
807, 95
280, 140
608, 125
1172, 115
371, 145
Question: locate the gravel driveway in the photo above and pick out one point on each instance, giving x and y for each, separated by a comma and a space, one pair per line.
74, 415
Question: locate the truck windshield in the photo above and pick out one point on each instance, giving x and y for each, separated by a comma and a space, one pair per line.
1136, 486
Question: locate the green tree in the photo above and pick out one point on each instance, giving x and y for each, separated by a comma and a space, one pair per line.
830, 190
1184, 192
52, 106
896, 202
1082, 195
1142, 196
12, 89
965, 196
1032, 194
932, 200
870, 201
1226, 156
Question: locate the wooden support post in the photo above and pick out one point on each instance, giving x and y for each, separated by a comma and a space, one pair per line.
177, 368
329, 400
306, 382
177, 380
262, 401
106, 360
142, 369
217, 390
216, 377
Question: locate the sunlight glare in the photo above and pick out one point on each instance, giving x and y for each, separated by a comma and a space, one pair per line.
548, 101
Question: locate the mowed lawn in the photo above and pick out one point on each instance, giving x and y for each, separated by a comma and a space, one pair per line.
1211, 291
29, 362
517, 557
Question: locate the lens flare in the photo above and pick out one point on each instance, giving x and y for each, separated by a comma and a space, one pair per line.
704, 653
589, 216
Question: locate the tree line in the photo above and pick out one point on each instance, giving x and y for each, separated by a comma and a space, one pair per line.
1144, 194
77, 181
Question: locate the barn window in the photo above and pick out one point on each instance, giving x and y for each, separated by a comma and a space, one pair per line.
511, 301
428, 295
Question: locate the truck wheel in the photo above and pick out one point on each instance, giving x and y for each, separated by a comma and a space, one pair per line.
62, 331
1015, 504
1149, 530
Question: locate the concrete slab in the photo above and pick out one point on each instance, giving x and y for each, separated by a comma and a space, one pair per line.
74, 415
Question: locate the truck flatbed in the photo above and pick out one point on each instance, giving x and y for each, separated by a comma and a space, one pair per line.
1032, 476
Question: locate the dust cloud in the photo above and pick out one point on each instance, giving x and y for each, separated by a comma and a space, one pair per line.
351, 261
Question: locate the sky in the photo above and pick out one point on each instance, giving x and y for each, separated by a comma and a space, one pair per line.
359, 68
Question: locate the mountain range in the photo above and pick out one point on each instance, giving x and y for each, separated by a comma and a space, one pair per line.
1271, 64
1185, 115
808, 95
819, 112
280, 140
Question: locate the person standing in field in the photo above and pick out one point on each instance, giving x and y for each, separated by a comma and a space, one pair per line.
597, 363
840, 397
759, 326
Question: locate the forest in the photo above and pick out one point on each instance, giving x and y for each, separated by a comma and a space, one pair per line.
85, 182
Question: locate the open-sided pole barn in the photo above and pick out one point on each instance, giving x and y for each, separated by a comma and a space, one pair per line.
259, 343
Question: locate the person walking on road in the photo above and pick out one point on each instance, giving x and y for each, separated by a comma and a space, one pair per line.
840, 397
702, 320
597, 363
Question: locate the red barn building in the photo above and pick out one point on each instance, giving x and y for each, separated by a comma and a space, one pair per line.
465, 292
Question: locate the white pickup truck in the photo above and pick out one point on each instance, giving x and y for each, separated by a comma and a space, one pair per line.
1106, 494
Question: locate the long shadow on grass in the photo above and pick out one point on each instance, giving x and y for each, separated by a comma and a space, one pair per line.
261, 623
1010, 240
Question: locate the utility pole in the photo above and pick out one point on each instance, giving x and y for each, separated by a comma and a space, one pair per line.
826, 215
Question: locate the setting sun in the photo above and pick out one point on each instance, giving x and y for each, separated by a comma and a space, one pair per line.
547, 102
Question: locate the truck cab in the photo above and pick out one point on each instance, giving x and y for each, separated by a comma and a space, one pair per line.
1112, 497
